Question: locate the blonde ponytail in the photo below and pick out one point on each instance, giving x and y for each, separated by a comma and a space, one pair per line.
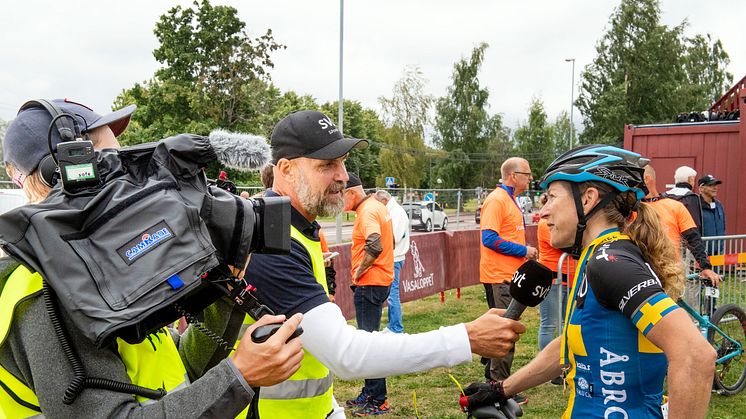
648, 234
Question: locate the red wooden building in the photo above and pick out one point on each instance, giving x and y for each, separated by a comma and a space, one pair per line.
714, 147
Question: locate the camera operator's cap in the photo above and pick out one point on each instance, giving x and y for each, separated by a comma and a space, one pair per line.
310, 134
25, 142
709, 180
353, 181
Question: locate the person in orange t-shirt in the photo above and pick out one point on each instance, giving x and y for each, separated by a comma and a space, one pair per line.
678, 223
503, 248
372, 267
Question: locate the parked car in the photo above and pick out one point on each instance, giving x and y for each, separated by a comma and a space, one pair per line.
426, 215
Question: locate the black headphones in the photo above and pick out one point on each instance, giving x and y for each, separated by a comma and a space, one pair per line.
69, 130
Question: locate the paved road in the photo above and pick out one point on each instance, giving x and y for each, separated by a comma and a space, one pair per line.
330, 227
466, 222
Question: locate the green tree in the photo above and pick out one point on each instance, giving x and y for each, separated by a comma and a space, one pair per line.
214, 75
704, 63
406, 115
462, 122
499, 148
362, 123
645, 72
561, 134
534, 139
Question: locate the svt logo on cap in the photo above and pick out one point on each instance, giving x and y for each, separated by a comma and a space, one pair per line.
327, 123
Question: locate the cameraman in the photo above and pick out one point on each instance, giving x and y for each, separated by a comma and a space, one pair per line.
309, 154
34, 369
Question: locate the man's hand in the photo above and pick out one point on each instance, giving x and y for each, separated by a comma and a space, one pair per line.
491, 335
482, 394
711, 275
532, 253
327, 262
273, 361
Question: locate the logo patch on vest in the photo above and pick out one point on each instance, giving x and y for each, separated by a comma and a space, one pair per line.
145, 242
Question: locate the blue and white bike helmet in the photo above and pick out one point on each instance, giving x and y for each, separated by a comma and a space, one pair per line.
621, 169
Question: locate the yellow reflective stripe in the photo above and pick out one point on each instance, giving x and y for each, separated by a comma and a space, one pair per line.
309, 390
298, 389
9, 402
318, 407
21, 284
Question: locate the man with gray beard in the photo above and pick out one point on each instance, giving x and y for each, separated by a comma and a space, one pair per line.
308, 153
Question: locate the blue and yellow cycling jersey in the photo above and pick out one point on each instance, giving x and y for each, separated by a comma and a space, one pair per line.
615, 371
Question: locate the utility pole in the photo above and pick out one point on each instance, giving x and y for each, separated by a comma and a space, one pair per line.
572, 96
340, 110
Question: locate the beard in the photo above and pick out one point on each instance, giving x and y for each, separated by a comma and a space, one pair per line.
317, 203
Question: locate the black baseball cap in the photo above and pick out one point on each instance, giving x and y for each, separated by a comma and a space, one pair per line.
709, 180
310, 134
353, 181
25, 142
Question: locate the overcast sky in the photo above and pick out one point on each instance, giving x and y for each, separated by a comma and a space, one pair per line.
90, 51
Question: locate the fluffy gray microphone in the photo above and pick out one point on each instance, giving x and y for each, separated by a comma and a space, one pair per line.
240, 151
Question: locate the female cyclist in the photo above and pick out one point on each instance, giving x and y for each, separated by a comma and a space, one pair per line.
623, 331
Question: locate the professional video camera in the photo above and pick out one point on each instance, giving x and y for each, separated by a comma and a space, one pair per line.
148, 240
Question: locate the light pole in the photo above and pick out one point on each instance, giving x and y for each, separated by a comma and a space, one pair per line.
572, 95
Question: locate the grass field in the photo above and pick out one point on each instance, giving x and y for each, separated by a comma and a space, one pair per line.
436, 393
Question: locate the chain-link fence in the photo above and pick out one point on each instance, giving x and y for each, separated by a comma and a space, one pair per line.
436, 209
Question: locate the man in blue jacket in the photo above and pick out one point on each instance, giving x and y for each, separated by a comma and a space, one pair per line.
713, 215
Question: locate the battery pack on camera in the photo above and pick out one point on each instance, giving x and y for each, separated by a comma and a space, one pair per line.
77, 165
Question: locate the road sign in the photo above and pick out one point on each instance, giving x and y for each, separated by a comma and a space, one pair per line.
389, 182
429, 197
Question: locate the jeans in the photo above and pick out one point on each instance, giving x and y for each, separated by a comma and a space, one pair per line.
548, 312
395, 323
369, 301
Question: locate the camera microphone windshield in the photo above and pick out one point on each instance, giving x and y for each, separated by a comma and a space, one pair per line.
530, 285
240, 151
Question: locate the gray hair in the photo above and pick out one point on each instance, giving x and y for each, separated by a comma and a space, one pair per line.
382, 195
683, 174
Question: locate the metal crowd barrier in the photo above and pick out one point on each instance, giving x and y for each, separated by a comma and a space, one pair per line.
728, 258
563, 271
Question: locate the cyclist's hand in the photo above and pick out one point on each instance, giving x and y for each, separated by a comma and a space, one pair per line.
711, 275
482, 394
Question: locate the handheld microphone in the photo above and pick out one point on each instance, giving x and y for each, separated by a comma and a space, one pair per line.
240, 151
530, 285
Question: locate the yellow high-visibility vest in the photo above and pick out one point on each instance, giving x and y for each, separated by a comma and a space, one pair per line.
153, 363
307, 393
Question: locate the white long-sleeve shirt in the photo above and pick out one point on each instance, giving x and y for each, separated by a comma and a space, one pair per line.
400, 221
351, 354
